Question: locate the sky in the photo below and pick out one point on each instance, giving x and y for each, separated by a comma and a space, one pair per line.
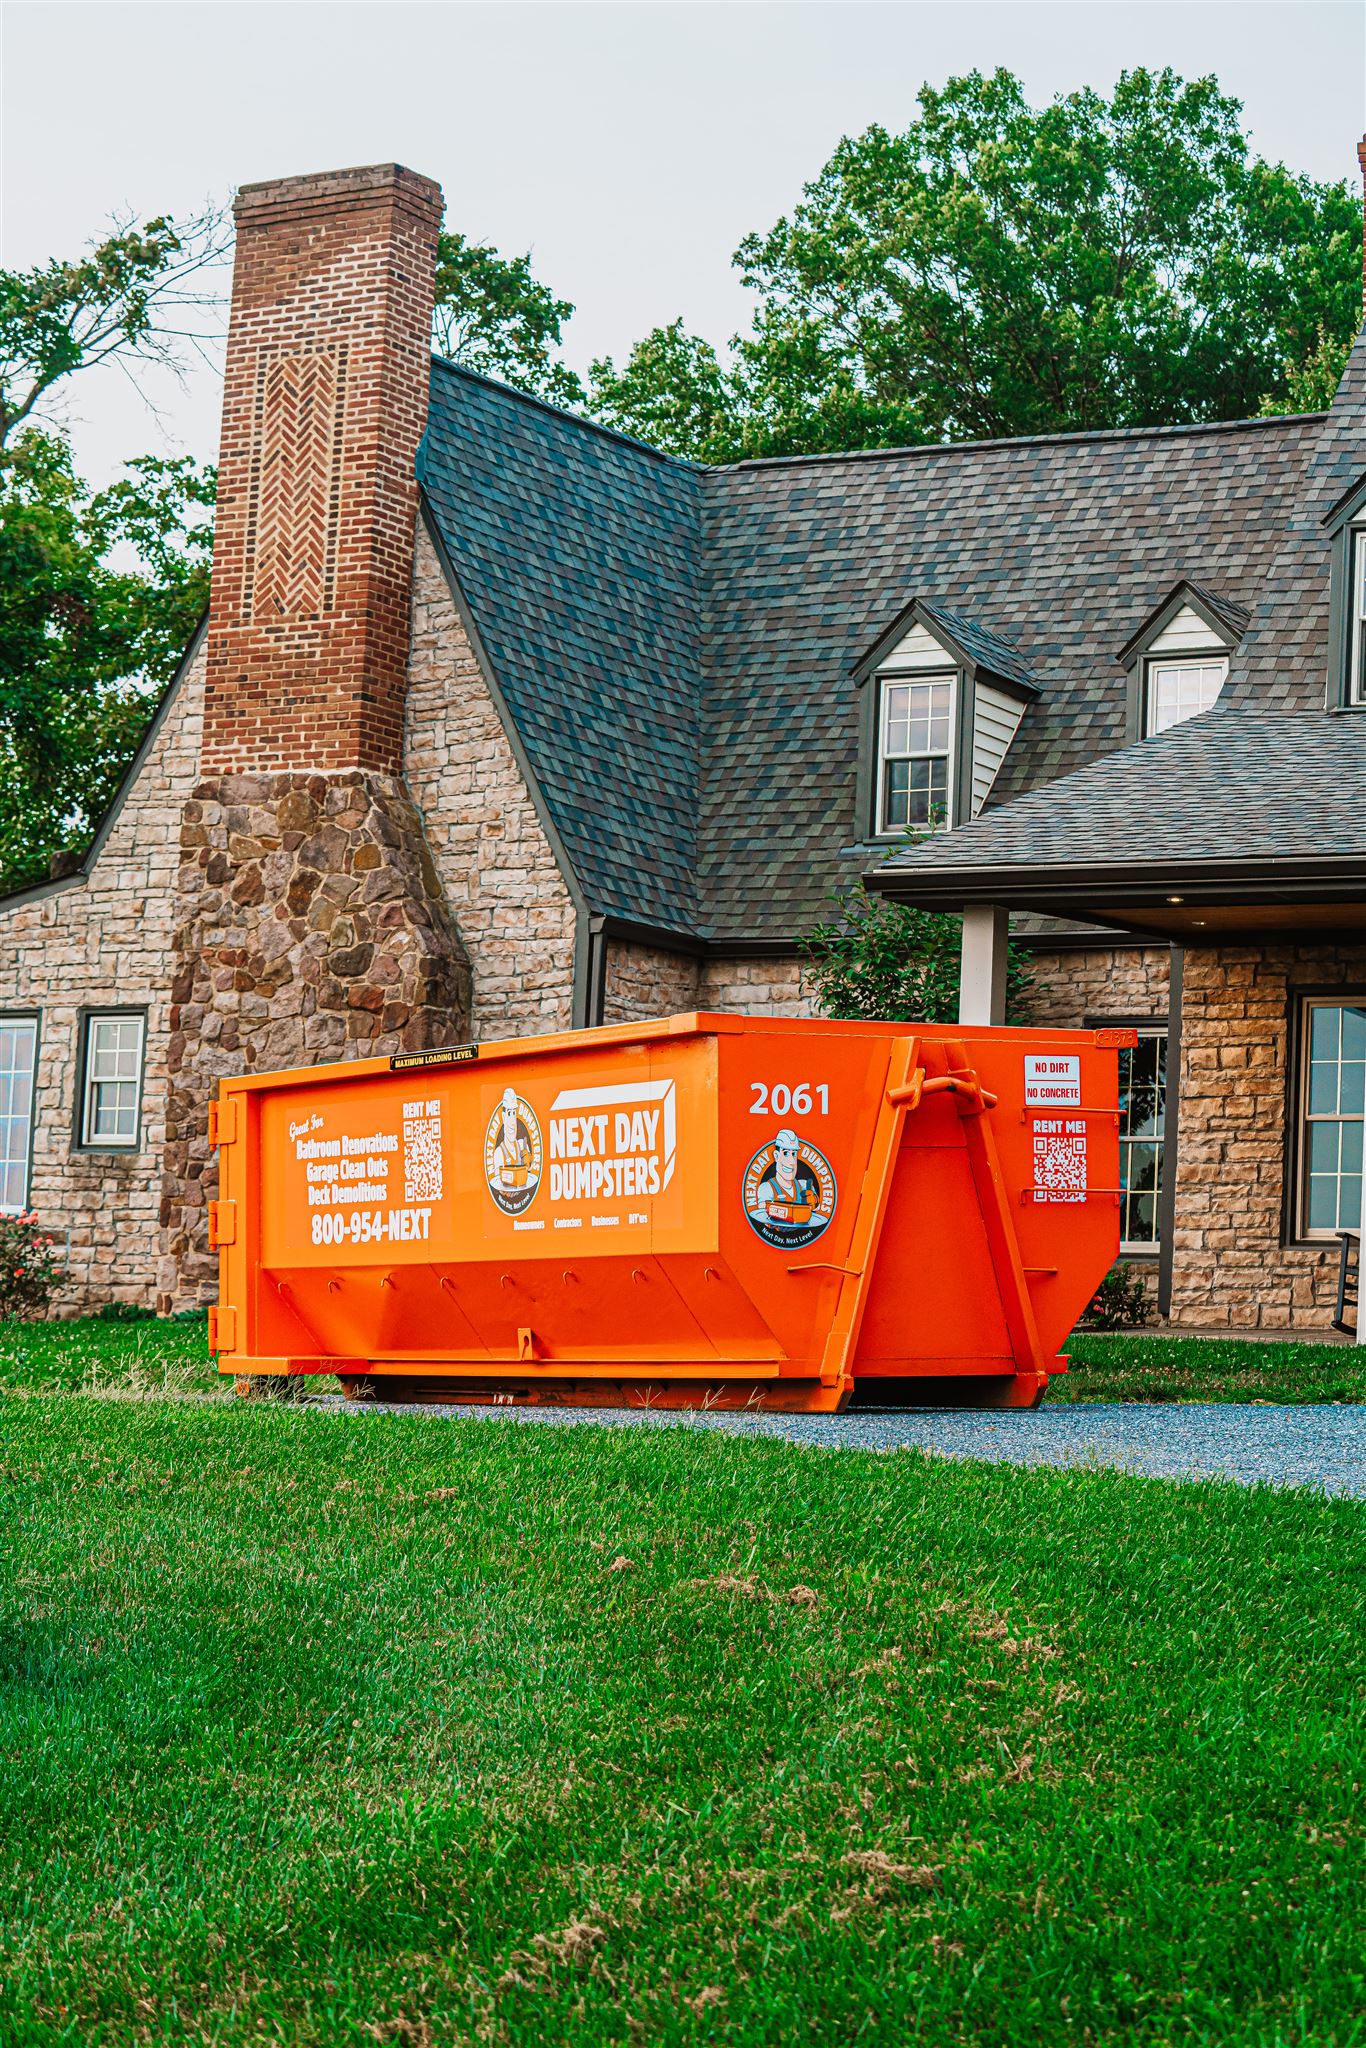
628, 145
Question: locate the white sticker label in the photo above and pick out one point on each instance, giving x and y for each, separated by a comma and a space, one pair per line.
1052, 1083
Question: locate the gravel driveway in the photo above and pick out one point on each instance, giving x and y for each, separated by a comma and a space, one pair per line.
1323, 1447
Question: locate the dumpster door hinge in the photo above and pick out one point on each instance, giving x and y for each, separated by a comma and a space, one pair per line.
223, 1328
223, 1121
222, 1224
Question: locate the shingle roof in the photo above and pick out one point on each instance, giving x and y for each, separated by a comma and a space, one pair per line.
577, 553
985, 648
676, 643
1064, 544
1280, 665
1231, 785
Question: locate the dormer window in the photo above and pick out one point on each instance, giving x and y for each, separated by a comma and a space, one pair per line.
1346, 524
915, 752
1181, 689
943, 697
1178, 660
1355, 678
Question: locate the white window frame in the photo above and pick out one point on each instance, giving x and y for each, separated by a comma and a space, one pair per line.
1203, 657
1356, 620
1345, 999
1146, 1247
914, 679
13, 1020
92, 1081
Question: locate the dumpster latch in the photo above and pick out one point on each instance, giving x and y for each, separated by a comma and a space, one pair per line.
526, 1344
222, 1224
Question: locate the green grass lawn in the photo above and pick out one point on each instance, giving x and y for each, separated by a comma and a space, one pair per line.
326, 1728
1151, 1367
170, 1357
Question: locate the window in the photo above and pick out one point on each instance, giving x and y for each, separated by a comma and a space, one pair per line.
1181, 689
1142, 1107
18, 1047
914, 752
1334, 1085
111, 1094
1356, 623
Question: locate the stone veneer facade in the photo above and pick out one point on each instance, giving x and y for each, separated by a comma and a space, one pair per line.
1100, 981
103, 940
315, 930
646, 981
1236, 1261
497, 868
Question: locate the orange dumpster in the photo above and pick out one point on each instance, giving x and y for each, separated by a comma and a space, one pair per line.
705, 1211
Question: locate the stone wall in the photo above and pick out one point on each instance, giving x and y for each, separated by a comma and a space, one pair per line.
104, 940
758, 986
1231, 1268
645, 982
1107, 981
500, 877
313, 928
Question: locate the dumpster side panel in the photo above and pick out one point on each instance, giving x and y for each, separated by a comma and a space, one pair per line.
798, 1109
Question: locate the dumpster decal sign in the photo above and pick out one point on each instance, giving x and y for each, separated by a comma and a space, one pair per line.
1052, 1082
789, 1192
1059, 1159
613, 1143
513, 1154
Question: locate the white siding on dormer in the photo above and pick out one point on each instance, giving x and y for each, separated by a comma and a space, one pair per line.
995, 718
1186, 632
919, 649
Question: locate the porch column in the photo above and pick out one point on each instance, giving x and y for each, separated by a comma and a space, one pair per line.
982, 980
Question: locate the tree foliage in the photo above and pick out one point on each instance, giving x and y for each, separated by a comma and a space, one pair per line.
998, 269
99, 590
876, 959
494, 316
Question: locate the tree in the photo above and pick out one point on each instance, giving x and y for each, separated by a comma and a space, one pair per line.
998, 269
877, 959
493, 316
99, 590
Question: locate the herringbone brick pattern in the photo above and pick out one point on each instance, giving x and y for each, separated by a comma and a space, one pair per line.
295, 485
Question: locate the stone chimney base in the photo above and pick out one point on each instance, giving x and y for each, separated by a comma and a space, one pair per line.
312, 928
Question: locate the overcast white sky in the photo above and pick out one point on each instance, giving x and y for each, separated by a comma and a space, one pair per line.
629, 146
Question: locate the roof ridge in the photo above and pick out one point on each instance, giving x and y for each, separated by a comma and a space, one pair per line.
560, 412
1289, 419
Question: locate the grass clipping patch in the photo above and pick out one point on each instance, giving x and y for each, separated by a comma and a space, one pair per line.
450, 1732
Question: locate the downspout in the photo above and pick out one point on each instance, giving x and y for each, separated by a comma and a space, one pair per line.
1166, 1201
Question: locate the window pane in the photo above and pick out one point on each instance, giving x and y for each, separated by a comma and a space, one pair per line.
917, 733
1180, 690
113, 1080
1142, 1096
18, 1040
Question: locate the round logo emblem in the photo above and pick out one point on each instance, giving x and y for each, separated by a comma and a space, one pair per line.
789, 1191
512, 1154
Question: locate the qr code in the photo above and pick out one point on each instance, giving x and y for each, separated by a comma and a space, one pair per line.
1060, 1166
422, 1159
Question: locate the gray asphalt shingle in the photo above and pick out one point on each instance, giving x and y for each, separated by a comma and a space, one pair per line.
676, 643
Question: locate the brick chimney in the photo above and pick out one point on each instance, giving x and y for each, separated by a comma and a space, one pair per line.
312, 923
324, 404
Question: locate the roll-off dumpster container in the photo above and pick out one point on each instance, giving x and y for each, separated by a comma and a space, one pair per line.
705, 1211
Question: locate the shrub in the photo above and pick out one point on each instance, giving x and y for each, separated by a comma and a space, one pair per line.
1119, 1303
30, 1272
123, 1312
885, 961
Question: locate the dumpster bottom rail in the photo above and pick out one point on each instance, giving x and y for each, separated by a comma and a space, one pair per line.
435, 1385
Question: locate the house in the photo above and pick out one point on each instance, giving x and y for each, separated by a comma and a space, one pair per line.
500, 722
